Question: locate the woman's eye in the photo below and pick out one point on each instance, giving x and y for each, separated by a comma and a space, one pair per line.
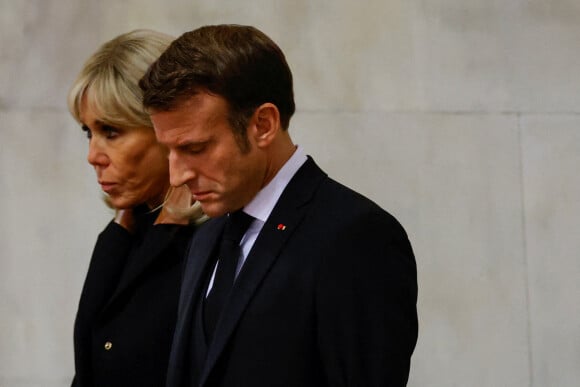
105, 131
110, 132
87, 131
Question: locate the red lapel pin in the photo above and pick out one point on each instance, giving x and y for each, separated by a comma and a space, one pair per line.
281, 227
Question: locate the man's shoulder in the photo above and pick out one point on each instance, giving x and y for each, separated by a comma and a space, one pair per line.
327, 188
335, 200
338, 194
347, 206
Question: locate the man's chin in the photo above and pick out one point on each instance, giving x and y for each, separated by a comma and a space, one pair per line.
212, 210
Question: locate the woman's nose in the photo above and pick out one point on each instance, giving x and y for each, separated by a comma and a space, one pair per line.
97, 155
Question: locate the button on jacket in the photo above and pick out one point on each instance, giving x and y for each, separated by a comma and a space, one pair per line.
128, 306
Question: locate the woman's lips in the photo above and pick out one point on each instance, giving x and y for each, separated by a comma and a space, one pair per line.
107, 186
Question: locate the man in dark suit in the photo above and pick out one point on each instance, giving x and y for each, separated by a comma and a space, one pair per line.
322, 288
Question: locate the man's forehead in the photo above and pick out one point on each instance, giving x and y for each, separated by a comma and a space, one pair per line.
177, 132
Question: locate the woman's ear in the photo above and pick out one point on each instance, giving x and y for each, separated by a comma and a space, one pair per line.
266, 124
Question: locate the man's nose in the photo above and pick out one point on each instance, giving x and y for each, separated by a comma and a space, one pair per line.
179, 172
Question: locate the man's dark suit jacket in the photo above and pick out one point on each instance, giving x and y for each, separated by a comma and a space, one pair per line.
129, 300
326, 297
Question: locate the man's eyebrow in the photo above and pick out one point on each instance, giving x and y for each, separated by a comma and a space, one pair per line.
189, 144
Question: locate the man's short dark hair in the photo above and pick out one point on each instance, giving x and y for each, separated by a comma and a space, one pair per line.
239, 63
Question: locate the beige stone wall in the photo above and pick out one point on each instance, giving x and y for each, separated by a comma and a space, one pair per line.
461, 117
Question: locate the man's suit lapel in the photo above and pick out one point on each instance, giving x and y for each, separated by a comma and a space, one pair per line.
282, 222
193, 284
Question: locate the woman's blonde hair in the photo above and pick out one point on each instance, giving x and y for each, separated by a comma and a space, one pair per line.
109, 83
193, 213
109, 79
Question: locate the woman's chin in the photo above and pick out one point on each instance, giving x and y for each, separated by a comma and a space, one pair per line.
118, 202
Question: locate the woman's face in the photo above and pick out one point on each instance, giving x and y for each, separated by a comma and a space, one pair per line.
131, 167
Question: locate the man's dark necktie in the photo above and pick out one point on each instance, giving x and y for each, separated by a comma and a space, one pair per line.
229, 252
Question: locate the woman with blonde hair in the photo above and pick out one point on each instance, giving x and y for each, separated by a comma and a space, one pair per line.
128, 305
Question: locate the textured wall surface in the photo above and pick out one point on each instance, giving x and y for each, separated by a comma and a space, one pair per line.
462, 118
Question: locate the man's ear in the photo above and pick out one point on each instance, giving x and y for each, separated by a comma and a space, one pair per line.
266, 124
